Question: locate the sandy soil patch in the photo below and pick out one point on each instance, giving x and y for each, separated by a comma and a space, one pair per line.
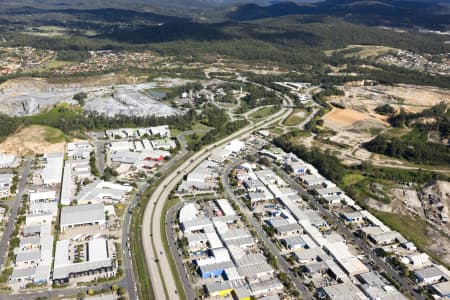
343, 118
409, 97
409, 197
421, 95
30, 140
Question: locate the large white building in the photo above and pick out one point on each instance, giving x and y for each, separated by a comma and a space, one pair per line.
5, 185
7, 160
79, 150
103, 192
98, 261
52, 172
82, 215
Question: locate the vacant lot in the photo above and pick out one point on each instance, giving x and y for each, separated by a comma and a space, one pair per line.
34, 139
343, 118
420, 233
363, 51
262, 112
297, 116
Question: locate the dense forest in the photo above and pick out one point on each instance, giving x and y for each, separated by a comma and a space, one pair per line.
436, 118
420, 151
217, 118
68, 120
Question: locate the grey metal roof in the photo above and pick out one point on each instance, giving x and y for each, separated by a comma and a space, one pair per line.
81, 214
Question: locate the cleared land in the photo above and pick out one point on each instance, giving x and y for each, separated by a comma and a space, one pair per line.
262, 112
363, 51
343, 118
34, 140
31, 96
420, 233
297, 116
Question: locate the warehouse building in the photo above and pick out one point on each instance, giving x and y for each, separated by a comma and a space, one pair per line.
52, 172
82, 215
342, 291
98, 261
7, 161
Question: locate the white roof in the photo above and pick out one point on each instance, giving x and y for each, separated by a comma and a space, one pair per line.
338, 250
235, 146
221, 254
6, 178
188, 212
82, 214
226, 207
352, 266
42, 195
62, 253
98, 249
66, 189
161, 130
52, 172
344, 291
6, 159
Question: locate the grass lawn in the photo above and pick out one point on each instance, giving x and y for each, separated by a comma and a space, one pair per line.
175, 132
263, 112
54, 64
53, 135
53, 115
276, 130
293, 118
119, 209
352, 178
397, 132
199, 126
145, 290
413, 229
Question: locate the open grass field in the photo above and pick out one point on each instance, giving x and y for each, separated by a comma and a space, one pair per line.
62, 110
53, 64
53, 135
413, 229
262, 112
297, 116
352, 178
363, 51
48, 31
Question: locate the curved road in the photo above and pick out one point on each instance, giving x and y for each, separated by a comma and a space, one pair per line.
151, 234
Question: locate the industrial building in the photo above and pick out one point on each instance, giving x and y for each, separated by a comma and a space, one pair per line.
52, 172
82, 215
7, 161
101, 191
98, 261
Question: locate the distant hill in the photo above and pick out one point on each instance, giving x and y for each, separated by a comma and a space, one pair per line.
400, 13
432, 14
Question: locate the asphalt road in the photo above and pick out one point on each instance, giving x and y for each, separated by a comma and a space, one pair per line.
14, 210
349, 236
151, 234
100, 155
177, 256
272, 247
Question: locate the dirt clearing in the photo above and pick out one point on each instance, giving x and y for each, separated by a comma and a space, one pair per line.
344, 118
34, 140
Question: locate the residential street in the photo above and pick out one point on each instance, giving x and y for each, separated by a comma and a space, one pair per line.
14, 210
